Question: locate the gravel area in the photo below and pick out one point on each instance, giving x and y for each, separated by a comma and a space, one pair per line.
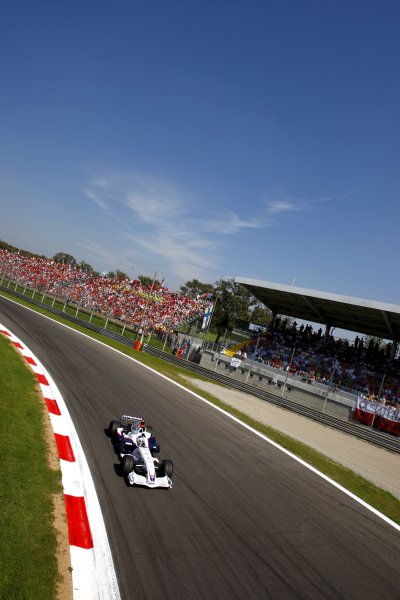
377, 465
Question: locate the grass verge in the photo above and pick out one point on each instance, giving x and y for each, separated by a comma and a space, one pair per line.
28, 566
381, 500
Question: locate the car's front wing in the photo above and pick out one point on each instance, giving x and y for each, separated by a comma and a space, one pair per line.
135, 479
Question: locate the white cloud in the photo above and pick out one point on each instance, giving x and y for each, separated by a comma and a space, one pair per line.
98, 253
160, 223
167, 221
93, 195
286, 204
279, 206
229, 222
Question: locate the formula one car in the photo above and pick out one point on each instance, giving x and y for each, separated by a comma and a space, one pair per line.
136, 446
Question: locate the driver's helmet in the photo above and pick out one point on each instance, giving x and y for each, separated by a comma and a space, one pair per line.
141, 441
138, 427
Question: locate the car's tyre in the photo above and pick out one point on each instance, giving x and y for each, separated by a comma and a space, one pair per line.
112, 428
167, 468
149, 429
127, 464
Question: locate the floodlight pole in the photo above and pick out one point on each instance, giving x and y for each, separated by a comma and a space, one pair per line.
213, 310
145, 310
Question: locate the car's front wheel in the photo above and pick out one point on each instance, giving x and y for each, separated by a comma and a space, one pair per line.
167, 468
127, 464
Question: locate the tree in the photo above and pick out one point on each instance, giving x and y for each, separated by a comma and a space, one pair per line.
85, 267
63, 257
20, 251
233, 301
261, 315
195, 288
121, 275
146, 281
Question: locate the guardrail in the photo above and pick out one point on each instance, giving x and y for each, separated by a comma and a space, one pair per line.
373, 436
111, 334
378, 438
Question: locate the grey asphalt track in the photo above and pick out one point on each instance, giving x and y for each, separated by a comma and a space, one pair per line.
243, 520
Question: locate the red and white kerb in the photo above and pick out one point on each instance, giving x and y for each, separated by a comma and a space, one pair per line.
93, 575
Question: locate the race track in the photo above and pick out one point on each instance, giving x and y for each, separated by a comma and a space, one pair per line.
243, 520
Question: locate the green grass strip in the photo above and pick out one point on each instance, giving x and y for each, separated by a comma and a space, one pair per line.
28, 567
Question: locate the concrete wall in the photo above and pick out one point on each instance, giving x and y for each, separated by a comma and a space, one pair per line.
275, 381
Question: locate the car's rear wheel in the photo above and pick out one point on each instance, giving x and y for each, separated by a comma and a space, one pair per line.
112, 428
167, 468
127, 464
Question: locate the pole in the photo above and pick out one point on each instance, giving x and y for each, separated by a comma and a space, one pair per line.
288, 371
145, 311
256, 348
211, 317
218, 359
254, 354
330, 384
165, 340
151, 334
213, 309
373, 418
381, 388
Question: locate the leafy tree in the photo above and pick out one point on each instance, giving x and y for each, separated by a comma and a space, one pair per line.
8, 247
25, 253
63, 257
195, 288
233, 301
85, 266
121, 275
110, 275
260, 315
146, 281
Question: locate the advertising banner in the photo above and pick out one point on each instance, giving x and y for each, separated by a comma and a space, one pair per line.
378, 416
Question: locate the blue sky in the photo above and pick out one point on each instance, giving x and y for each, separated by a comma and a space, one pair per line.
206, 139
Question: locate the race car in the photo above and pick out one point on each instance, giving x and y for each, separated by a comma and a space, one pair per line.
136, 446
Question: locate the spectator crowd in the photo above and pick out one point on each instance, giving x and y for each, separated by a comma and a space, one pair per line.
146, 307
367, 369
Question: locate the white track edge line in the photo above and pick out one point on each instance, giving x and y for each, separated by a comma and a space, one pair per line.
258, 433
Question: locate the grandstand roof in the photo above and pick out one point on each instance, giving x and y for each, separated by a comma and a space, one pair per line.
377, 319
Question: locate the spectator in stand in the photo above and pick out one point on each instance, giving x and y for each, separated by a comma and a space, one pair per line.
359, 368
318, 360
124, 300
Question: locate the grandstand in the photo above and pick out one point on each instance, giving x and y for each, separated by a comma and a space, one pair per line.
365, 367
376, 319
144, 308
